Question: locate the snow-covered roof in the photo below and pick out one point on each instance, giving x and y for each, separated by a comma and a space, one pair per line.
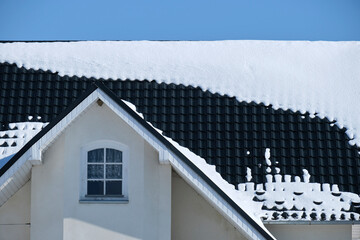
280, 198
316, 77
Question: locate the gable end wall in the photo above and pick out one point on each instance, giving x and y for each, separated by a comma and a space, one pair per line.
57, 211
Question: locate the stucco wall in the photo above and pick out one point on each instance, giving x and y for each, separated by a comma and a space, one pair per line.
47, 194
304, 232
15, 216
194, 218
356, 232
60, 215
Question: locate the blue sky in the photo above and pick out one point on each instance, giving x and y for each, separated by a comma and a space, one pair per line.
180, 20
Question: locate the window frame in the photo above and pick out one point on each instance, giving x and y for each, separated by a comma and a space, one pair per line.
103, 144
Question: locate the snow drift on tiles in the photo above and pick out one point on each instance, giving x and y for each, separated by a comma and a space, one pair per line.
11, 141
318, 77
299, 199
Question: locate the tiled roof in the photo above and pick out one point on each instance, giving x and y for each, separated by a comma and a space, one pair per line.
227, 133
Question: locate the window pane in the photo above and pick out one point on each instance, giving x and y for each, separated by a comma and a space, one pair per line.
95, 171
114, 171
113, 155
96, 155
113, 188
95, 188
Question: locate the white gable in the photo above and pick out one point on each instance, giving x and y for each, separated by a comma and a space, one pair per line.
19, 173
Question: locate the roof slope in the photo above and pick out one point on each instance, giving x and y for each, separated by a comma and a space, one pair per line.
317, 77
218, 128
227, 133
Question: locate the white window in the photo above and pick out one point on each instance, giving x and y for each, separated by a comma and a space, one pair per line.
104, 171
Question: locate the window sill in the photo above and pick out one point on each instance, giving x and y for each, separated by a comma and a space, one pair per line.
104, 200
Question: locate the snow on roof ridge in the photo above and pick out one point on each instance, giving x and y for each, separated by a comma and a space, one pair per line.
316, 77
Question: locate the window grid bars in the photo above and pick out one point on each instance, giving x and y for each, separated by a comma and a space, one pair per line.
107, 179
104, 179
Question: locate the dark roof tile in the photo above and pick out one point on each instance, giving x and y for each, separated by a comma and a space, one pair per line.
218, 128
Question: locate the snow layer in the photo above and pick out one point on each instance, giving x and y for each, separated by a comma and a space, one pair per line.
321, 78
